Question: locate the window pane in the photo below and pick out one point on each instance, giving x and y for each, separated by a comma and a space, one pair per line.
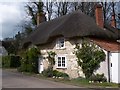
59, 58
63, 61
61, 42
59, 61
63, 58
62, 45
63, 65
59, 64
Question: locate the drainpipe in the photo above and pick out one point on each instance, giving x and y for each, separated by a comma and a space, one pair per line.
108, 62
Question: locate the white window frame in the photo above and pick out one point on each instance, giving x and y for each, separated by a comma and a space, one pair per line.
62, 67
58, 43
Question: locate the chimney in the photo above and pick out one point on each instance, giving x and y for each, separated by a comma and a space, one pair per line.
99, 16
40, 18
113, 21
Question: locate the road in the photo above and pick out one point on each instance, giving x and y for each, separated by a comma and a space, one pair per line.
17, 80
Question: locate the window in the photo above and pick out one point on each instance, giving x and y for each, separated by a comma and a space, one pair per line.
61, 62
60, 44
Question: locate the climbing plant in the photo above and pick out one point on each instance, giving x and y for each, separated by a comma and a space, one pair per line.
89, 57
51, 58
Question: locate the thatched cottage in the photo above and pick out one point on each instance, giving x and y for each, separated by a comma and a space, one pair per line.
62, 34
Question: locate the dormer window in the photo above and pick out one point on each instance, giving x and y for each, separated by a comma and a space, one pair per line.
60, 44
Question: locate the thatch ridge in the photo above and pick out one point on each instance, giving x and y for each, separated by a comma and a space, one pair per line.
76, 24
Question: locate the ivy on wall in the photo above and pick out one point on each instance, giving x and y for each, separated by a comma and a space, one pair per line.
51, 58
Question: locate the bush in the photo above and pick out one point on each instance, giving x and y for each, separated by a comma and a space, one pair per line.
10, 61
60, 74
6, 61
29, 61
15, 61
98, 78
89, 57
50, 73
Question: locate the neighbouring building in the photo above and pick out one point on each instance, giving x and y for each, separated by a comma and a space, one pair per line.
62, 34
3, 51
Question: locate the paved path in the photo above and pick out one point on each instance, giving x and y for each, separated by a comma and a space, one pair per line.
16, 80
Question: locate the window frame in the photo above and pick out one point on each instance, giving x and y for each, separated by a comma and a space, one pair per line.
61, 56
58, 43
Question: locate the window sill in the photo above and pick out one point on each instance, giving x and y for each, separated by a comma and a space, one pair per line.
61, 67
61, 48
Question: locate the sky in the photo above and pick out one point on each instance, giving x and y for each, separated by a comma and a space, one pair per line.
11, 14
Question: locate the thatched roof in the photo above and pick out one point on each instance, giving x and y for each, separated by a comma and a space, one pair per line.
76, 24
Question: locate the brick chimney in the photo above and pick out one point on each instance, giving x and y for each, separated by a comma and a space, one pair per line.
113, 21
40, 18
99, 15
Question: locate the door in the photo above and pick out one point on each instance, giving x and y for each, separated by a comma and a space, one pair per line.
40, 65
114, 67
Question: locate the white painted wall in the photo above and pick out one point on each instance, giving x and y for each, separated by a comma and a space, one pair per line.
115, 71
119, 68
103, 66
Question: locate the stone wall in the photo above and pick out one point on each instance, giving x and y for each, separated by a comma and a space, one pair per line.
72, 69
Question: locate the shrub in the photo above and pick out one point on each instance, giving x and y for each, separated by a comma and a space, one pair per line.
29, 61
10, 61
50, 73
6, 61
15, 61
60, 74
98, 77
89, 57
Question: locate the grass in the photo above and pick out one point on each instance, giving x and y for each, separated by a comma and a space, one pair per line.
84, 82
77, 82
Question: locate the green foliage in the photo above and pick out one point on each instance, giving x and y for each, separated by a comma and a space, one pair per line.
50, 73
10, 61
89, 57
98, 77
15, 61
29, 62
6, 61
9, 46
60, 74
51, 58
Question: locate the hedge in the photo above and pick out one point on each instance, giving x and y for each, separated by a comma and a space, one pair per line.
10, 61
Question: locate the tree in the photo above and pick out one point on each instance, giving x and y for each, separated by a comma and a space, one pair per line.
49, 9
33, 8
89, 57
9, 46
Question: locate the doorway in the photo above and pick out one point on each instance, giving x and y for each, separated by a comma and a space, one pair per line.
40, 65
